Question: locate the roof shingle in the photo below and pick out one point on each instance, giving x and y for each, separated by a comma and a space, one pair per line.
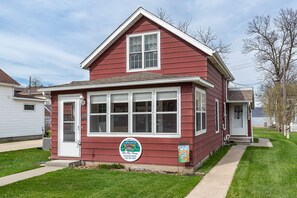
5, 78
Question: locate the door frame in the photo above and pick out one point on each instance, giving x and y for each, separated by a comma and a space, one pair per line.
245, 118
61, 100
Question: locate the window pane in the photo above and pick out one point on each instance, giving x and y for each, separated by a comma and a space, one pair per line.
203, 121
142, 97
119, 107
98, 99
203, 102
150, 59
166, 105
166, 123
142, 106
150, 42
135, 44
119, 123
198, 101
198, 121
166, 95
142, 123
98, 108
98, 123
29, 107
69, 132
69, 108
135, 61
119, 98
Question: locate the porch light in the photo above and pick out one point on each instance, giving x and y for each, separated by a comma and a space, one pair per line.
82, 100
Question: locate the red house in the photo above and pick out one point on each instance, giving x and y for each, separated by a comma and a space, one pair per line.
152, 88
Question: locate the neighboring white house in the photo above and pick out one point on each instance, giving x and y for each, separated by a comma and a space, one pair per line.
259, 119
21, 116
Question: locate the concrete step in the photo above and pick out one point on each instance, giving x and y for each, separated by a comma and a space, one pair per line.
241, 139
63, 163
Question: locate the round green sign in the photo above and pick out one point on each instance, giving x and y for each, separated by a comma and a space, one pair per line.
130, 149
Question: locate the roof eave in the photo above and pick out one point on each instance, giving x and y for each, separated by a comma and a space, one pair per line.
196, 80
130, 22
221, 66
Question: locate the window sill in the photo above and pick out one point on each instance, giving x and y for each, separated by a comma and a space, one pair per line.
135, 135
142, 70
197, 133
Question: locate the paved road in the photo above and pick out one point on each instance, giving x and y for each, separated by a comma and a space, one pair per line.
12, 146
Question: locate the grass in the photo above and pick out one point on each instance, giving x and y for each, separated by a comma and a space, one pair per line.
18, 161
213, 159
101, 183
267, 172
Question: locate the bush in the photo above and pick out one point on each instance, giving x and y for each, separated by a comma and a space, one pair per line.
111, 166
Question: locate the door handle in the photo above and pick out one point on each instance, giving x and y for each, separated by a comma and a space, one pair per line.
78, 143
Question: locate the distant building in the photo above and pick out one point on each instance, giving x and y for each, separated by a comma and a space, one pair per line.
259, 119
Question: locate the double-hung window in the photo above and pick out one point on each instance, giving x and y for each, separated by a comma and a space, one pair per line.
200, 109
143, 51
217, 118
142, 112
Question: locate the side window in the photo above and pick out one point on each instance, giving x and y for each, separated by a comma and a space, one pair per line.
217, 119
200, 111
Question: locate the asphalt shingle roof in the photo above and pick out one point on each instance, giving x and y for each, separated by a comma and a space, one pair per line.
5, 78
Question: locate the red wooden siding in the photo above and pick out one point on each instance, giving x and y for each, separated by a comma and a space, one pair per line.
162, 151
208, 142
177, 56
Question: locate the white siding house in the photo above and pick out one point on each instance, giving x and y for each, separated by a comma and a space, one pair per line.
20, 116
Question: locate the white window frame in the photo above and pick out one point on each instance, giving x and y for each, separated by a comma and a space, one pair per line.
130, 113
203, 130
225, 116
142, 51
217, 115
29, 110
100, 114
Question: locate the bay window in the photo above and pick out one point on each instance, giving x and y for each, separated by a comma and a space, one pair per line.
200, 111
149, 112
143, 51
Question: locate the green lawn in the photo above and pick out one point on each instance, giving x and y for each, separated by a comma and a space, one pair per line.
101, 183
214, 159
267, 172
17, 161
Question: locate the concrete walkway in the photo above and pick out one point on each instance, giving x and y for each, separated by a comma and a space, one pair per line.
12, 146
26, 175
216, 183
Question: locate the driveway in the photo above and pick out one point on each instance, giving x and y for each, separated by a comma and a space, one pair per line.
12, 146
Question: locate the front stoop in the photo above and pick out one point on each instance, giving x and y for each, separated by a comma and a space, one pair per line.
64, 163
240, 139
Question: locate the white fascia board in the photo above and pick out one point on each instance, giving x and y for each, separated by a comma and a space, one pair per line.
29, 99
196, 80
9, 85
222, 66
128, 23
238, 101
240, 89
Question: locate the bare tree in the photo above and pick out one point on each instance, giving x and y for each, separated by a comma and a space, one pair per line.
205, 36
274, 43
162, 14
184, 25
35, 82
209, 38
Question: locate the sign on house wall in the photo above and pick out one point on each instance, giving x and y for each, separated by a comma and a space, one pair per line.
183, 153
130, 149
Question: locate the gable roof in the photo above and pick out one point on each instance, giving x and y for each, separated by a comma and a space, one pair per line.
6, 79
241, 95
142, 78
130, 21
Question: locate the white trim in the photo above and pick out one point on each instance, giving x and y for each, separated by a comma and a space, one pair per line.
238, 101
128, 36
225, 115
130, 22
130, 113
203, 130
28, 99
195, 79
240, 89
9, 85
217, 109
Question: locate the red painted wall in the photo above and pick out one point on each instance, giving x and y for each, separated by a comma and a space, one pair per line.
177, 56
161, 151
208, 142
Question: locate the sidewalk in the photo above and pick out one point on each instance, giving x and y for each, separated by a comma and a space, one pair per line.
12, 146
26, 175
216, 183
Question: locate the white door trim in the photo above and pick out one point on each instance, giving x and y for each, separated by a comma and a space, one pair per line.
69, 149
245, 117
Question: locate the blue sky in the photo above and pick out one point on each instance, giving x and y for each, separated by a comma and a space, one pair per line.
49, 38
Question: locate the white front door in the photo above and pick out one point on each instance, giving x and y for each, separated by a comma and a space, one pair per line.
238, 118
69, 126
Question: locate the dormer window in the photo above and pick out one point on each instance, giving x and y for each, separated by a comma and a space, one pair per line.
143, 51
